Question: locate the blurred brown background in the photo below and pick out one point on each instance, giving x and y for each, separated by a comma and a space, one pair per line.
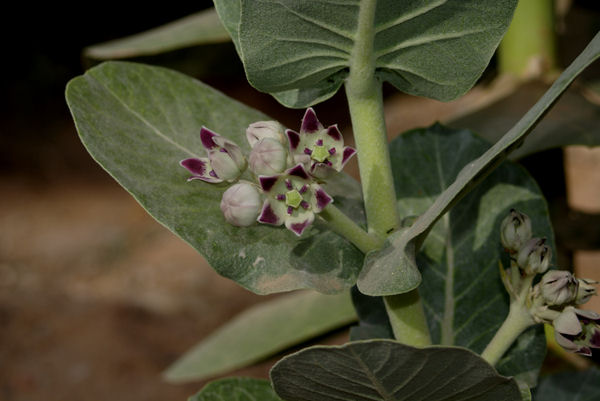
96, 298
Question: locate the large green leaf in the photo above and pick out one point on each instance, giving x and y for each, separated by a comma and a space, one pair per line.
300, 51
196, 29
464, 298
386, 370
570, 386
138, 122
382, 278
262, 331
237, 389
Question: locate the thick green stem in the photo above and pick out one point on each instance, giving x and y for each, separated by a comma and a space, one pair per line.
529, 46
365, 101
407, 318
346, 227
516, 322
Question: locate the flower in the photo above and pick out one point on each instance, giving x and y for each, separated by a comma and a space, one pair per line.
534, 256
293, 199
515, 230
321, 150
558, 287
265, 129
577, 330
225, 160
585, 291
268, 157
240, 204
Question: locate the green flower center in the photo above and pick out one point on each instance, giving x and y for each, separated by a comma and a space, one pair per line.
293, 198
320, 153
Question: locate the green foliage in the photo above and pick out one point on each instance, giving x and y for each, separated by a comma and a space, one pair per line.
387, 370
300, 51
196, 29
570, 386
138, 122
381, 278
236, 389
262, 331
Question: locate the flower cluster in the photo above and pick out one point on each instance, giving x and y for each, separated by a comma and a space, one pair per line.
288, 167
553, 300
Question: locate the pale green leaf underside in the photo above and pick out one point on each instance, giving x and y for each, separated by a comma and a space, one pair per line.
385, 370
138, 122
262, 331
194, 30
470, 174
570, 386
436, 48
237, 389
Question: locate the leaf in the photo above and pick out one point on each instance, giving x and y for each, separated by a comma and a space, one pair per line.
138, 122
301, 51
373, 321
387, 370
237, 389
262, 331
196, 29
570, 386
379, 279
464, 299
572, 121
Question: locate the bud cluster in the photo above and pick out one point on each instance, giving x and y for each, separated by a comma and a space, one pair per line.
288, 167
554, 298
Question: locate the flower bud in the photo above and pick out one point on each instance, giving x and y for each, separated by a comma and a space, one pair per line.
558, 287
240, 204
227, 160
534, 256
265, 129
515, 230
268, 157
585, 291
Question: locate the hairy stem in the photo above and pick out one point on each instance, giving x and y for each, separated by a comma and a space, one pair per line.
346, 227
516, 322
407, 318
365, 101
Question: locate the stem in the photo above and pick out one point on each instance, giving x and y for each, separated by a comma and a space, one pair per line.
529, 46
346, 227
365, 101
516, 322
407, 318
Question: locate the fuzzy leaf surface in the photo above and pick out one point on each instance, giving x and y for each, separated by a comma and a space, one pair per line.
262, 331
385, 370
139, 121
300, 51
236, 389
570, 386
464, 298
197, 29
402, 245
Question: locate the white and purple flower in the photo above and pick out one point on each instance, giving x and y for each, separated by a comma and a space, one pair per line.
293, 199
321, 150
225, 161
577, 330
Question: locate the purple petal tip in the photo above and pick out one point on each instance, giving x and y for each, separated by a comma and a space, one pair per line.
323, 199
298, 228
293, 138
334, 133
267, 182
194, 165
206, 136
268, 216
298, 171
310, 123
348, 153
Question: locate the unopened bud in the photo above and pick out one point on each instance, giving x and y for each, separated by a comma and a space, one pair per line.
515, 230
534, 256
268, 157
586, 290
240, 204
558, 287
265, 129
